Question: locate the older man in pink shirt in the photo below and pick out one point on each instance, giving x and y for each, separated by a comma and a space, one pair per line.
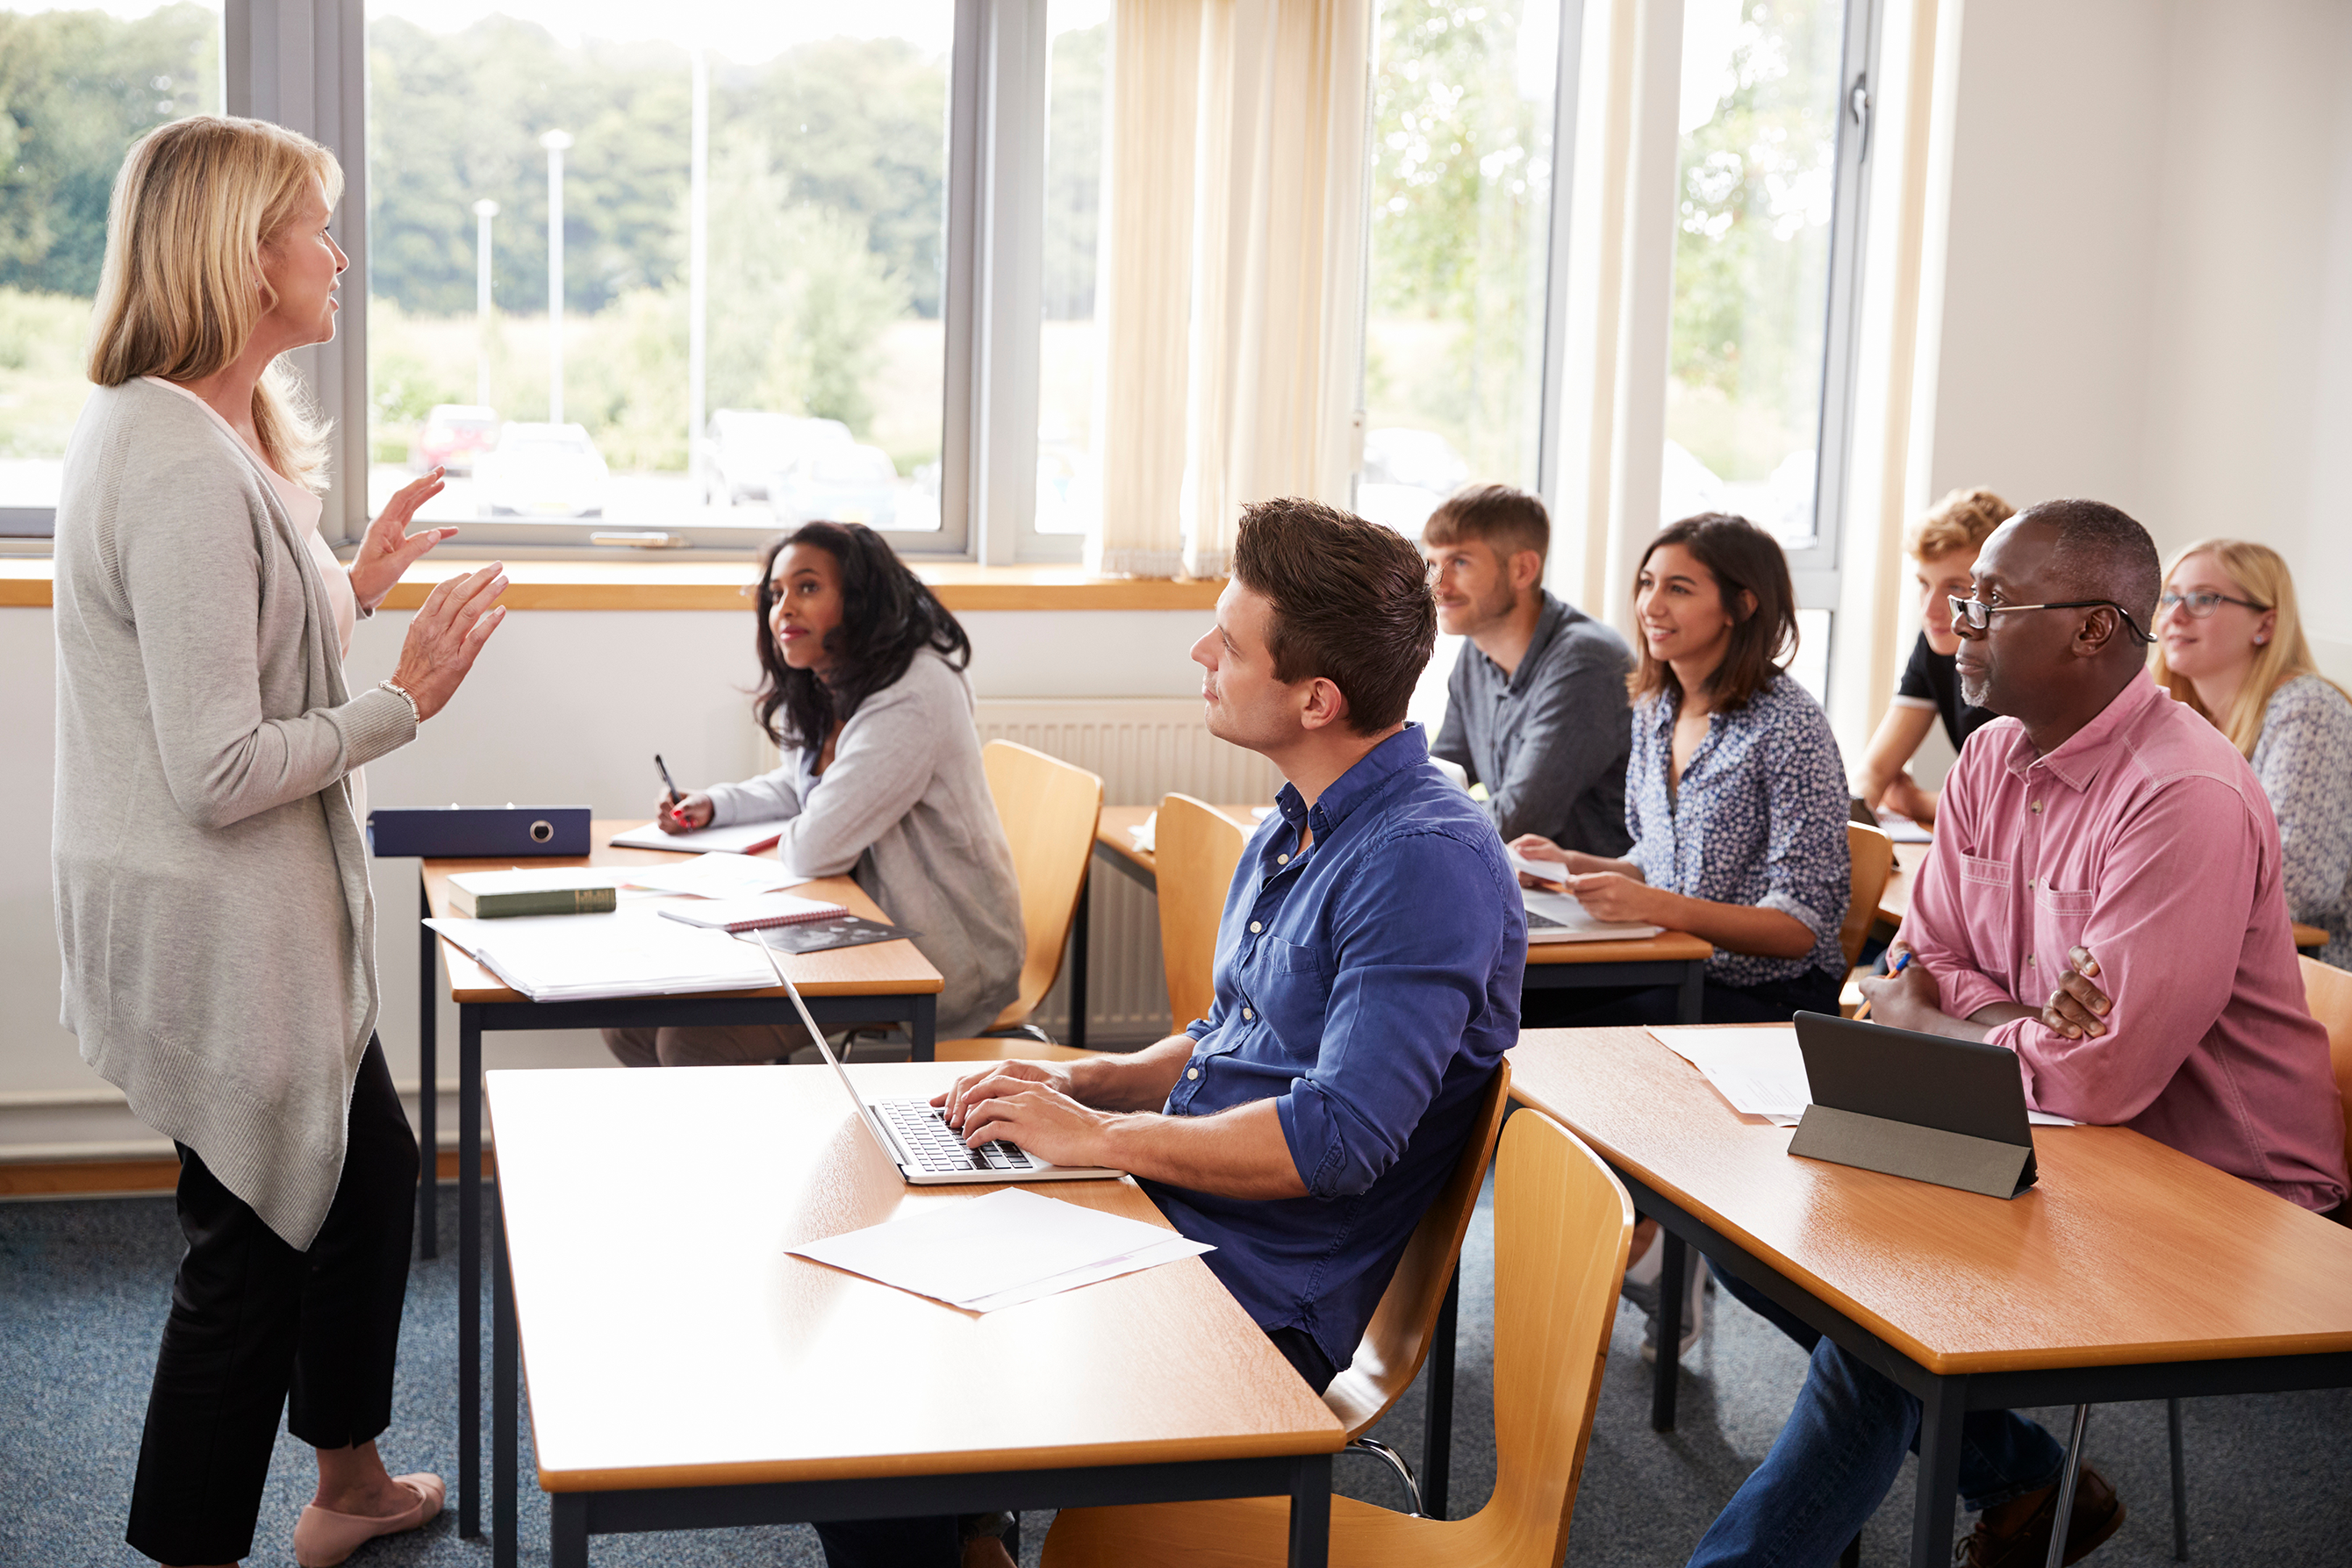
2096, 817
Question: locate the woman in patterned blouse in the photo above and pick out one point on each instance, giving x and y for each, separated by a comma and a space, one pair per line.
1735, 794
2229, 644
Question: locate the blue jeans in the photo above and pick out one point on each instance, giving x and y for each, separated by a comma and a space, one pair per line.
1835, 1460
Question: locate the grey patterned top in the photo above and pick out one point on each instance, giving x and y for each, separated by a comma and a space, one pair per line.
2305, 762
1760, 819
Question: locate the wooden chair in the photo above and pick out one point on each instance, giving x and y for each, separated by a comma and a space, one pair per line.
1562, 1224
1872, 854
1416, 1306
1195, 848
1049, 810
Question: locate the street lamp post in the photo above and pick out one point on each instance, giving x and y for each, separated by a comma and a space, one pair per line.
555, 141
484, 211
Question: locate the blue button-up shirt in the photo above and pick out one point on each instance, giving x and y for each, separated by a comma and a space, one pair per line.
1760, 819
1367, 986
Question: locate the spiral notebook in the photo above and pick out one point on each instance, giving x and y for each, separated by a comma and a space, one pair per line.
738, 914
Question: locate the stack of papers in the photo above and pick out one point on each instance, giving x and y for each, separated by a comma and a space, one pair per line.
1903, 831
584, 958
715, 875
1762, 1073
742, 839
1012, 1246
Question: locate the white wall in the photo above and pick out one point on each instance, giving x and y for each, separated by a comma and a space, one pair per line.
565, 708
2148, 288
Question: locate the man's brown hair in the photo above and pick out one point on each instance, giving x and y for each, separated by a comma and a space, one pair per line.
1351, 603
1962, 520
1505, 518
1742, 559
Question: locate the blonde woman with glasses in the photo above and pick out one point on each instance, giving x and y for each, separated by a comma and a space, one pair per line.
2229, 644
210, 877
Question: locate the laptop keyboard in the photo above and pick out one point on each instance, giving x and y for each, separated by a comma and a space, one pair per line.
1544, 923
937, 1147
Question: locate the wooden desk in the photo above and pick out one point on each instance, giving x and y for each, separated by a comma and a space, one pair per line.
702, 1377
1894, 903
885, 982
2098, 1285
1672, 957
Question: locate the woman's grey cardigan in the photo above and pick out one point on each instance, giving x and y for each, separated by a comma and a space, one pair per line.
209, 870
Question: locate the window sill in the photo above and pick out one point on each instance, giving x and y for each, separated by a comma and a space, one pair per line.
632, 585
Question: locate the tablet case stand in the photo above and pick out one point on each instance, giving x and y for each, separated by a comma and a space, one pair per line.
1907, 1149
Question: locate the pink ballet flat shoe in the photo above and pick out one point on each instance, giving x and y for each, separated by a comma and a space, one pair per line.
323, 1538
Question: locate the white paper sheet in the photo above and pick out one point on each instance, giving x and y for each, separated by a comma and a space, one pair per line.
1542, 871
742, 838
580, 957
1903, 831
1012, 1245
1762, 1073
720, 875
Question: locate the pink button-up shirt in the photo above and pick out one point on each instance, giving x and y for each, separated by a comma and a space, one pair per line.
2146, 839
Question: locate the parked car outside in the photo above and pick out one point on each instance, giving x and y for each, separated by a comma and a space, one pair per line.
746, 447
543, 470
454, 436
855, 484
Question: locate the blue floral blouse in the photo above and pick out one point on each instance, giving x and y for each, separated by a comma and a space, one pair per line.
2305, 762
1759, 821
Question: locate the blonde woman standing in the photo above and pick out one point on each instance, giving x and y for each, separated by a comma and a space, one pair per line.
2229, 644
211, 882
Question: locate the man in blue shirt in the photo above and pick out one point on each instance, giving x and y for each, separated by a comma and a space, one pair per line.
1367, 964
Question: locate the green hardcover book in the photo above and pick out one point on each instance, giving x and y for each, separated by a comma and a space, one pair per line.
557, 890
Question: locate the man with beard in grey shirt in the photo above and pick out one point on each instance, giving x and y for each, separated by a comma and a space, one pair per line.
1536, 709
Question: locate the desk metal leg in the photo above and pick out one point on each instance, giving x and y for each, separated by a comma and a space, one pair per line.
505, 1362
469, 1270
1690, 1003
1947, 1402
428, 1081
925, 1029
1310, 1511
1672, 1262
1080, 929
567, 1545
1437, 1421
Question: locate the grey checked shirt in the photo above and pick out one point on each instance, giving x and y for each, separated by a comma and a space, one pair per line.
1549, 739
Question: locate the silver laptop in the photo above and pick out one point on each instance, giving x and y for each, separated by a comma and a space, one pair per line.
927, 1151
1558, 917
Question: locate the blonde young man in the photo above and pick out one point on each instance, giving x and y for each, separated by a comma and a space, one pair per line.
1944, 547
1536, 708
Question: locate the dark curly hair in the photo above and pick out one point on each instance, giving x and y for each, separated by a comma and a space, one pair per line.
887, 616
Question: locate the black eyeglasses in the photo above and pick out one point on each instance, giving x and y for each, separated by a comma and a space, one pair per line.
2204, 604
1975, 614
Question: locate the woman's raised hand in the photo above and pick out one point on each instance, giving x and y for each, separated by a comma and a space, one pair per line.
390, 550
458, 617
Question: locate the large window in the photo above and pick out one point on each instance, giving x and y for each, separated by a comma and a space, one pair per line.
1069, 448
1464, 106
77, 88
778, 170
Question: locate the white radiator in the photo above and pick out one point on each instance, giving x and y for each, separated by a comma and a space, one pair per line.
1143, 747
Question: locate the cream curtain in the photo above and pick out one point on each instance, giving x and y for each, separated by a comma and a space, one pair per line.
1232, 277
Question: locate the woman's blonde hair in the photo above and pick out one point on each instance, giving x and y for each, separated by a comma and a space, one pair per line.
182, 288
2261, 575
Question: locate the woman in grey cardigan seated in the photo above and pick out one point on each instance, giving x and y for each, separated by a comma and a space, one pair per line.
210, 879
863, 685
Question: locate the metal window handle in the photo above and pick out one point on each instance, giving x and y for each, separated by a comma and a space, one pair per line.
641, 541
1857, 102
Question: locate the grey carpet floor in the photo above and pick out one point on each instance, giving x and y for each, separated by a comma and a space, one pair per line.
84, 1287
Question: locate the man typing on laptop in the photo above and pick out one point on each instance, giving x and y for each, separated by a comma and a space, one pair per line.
1368, 971
2096, 812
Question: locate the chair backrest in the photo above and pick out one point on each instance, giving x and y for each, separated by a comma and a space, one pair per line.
1194, 849
1873, 853
1562, 1226
1049, 810
1397, 1338
2327, 992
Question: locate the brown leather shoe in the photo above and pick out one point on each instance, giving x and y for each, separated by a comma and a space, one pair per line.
2098, 1514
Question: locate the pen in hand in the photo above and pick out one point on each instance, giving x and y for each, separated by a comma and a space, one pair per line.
1902, 962
669, 784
